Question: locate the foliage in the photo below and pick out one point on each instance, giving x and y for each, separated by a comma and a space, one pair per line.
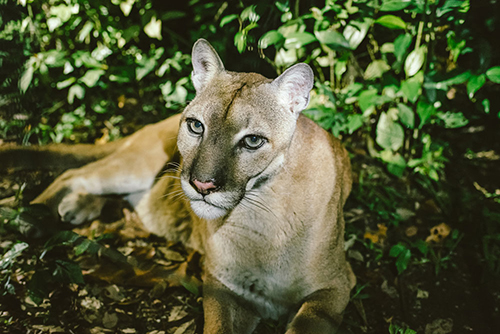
378, 63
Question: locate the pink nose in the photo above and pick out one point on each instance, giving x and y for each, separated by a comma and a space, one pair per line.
204, 187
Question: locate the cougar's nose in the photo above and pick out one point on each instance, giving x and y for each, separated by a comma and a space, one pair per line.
204, 188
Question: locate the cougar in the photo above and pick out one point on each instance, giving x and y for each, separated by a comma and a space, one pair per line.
241, 176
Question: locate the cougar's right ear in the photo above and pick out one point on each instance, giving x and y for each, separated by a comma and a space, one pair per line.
206, 64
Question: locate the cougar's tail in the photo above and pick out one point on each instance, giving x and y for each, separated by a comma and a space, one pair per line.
53, 156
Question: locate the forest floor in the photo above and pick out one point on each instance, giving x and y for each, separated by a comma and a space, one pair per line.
134, 282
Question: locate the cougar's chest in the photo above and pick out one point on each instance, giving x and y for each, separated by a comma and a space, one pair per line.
258, 258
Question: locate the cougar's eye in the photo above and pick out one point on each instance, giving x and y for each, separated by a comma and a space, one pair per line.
195, 126
253, 142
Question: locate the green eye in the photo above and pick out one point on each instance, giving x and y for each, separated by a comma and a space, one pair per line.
253, 142
195, 126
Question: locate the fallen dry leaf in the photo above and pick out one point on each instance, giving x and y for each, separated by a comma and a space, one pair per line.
438, 233
411, 231
377, 237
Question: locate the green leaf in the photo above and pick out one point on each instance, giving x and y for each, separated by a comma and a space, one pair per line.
297, 40
424, 111
9, 257
355, 32
153, 28
414, 61
26, 77
453, 120
126, 6
401, 44
406, 115
390, 135
494, 74
402, 255
376, 69
227, 19
396, 164
474, 84
411, 88
367, 100
147, 66
272, 37
391, 22
333, 39
91, 77
394, 5
87, 28
68, 272
240, 41
75, 91
65, 83
354, 122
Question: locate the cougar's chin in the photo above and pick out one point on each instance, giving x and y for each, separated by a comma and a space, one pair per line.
207, 211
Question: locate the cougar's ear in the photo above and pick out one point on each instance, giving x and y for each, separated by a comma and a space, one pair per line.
206, 64
293, 87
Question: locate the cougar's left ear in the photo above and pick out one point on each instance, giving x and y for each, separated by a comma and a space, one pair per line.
293, 87
206, 64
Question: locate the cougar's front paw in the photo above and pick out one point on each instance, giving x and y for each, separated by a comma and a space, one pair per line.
79, 207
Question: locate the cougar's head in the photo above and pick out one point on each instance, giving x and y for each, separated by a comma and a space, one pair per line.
235, 134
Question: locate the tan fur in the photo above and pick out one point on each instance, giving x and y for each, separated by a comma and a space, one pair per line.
271, 226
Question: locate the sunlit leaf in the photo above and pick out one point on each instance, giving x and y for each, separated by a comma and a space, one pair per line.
87, 28
240, 41
126, 6
414, 61
65, 83
390, 135
333, 39
355, 32
391, 22
453, 120
411, 88
272, 37
406, 115
394, 5
494, 74
376, 69
227, 19
153, 28
75, 91
26, 77
474, 84
297, 40
91, 77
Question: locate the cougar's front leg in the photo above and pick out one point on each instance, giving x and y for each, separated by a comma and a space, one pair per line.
223, 312
321, 312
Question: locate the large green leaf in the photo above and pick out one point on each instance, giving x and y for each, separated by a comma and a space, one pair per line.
396, 164
394, 5
272, 37
401, 44
406, 115
228, 18
333, 39
474, 84
356, 31
494, 74
390, 135
297, 40
391, 22
376, 69
26, 77
414, 61
424, 111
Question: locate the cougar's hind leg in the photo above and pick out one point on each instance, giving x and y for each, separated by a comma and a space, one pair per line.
76, 194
